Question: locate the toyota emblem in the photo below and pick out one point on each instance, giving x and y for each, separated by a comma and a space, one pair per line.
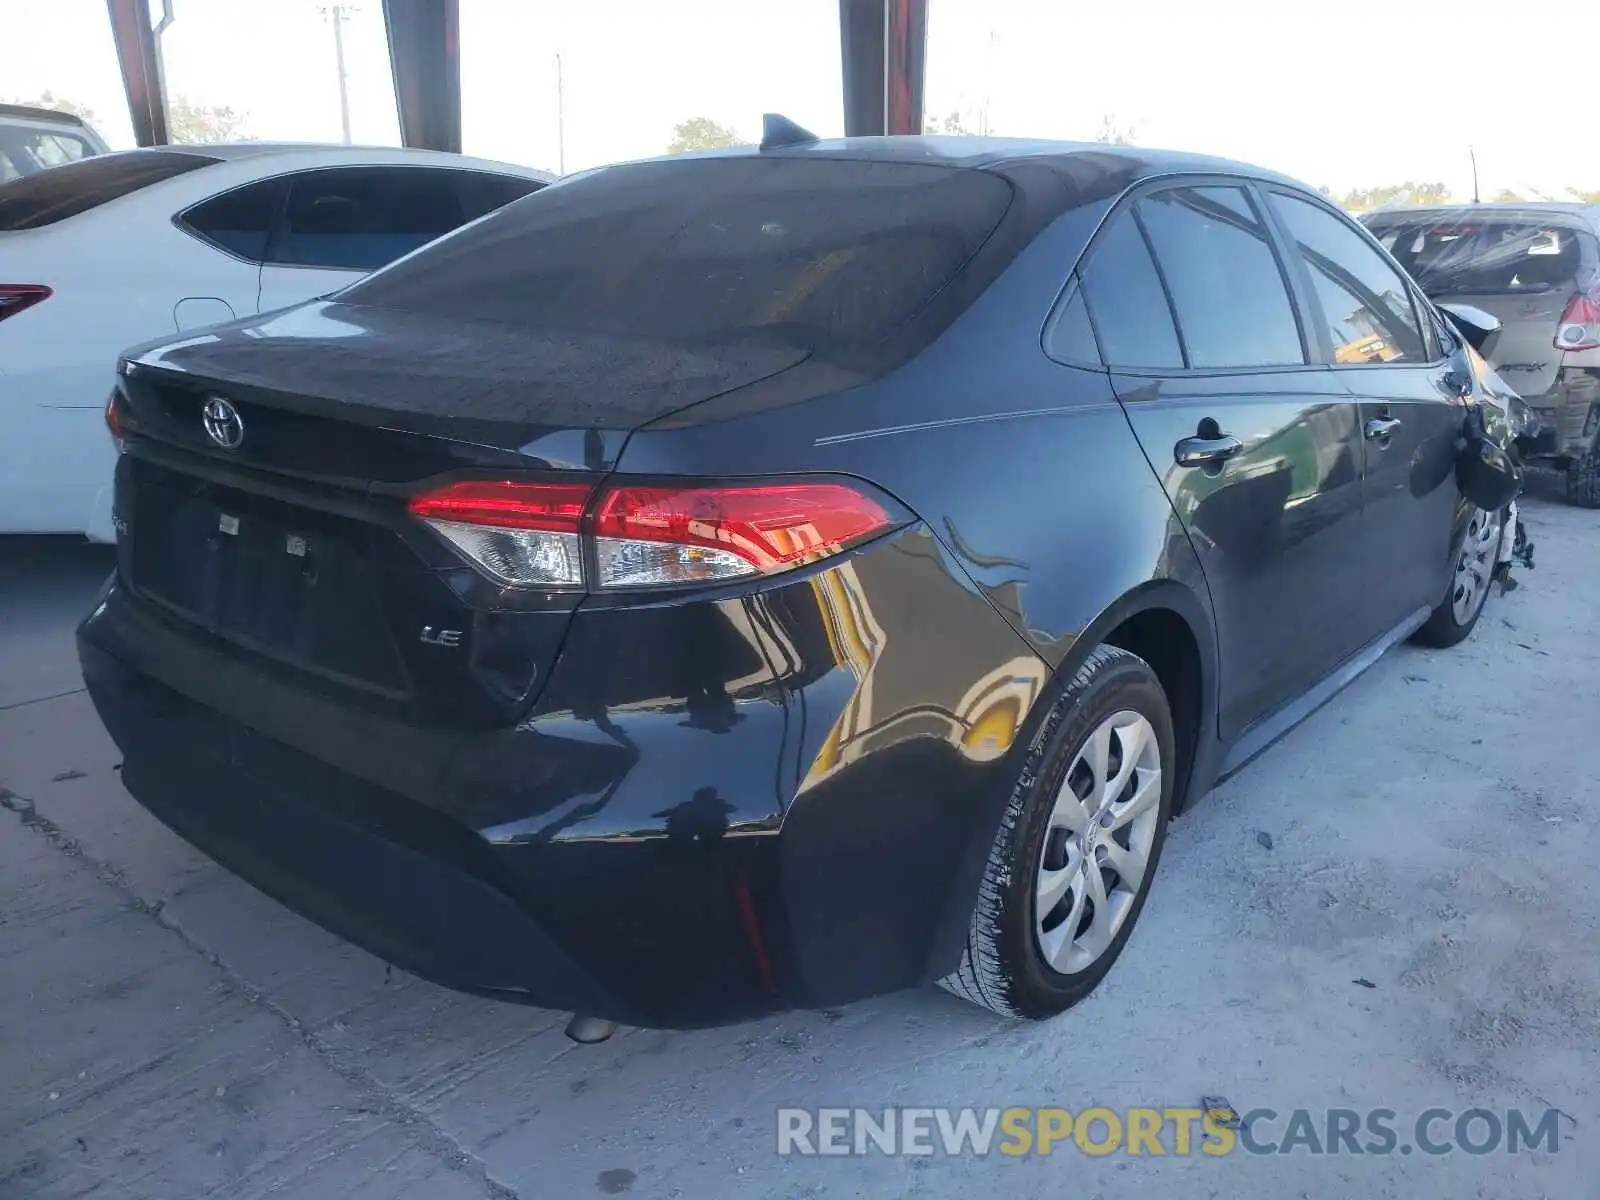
222, 422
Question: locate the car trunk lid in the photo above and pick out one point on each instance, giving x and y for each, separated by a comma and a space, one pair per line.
338, 389
295, 545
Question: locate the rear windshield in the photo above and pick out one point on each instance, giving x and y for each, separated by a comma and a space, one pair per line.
820, 253
1450, 255
28, 149
54, 195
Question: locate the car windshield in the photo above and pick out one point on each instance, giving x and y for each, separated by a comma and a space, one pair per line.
1469, 255
49, 196
819, 253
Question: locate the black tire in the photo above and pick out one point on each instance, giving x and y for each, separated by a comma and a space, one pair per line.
1583, 477
1002, 967
1444, 628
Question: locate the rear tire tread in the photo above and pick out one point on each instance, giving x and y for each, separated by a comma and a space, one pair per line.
1583, 478
981, 978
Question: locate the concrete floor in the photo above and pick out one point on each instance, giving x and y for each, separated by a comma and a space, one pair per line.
166, 1032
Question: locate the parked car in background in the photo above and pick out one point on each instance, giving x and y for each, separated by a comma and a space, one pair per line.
36, 139
117, 249
1537, 268
771, 578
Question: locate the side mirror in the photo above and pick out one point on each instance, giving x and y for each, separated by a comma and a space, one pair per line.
1476, 327
1485, 474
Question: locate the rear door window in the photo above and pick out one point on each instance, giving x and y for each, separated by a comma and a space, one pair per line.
66, 191
482, 192
822, 253
359, 218
1070, 338
1365, 302
1227, 289
239, 221
1471, 256
1126, 302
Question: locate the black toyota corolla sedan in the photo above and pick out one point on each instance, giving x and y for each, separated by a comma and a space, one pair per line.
770, 578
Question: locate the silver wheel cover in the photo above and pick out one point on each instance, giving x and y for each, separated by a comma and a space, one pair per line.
1097, 846
1475, 567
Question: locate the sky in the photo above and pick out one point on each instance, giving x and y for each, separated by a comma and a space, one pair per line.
1339, 93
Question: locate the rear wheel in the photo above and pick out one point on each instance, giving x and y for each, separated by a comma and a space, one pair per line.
1456, 615
1583, 477
1077, 847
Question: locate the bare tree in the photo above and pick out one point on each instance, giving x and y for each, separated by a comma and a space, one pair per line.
952, 123
1362, 199
702, 133
190, 121
60, 104
1114, 133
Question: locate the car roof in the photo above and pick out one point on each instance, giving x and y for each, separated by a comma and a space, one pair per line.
990, 152
33, 113
333, 152
1533, 209
236, 150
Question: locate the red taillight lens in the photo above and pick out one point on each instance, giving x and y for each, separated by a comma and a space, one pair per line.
1580, 324
532, 534
557, 507
114, 420
652, 536
14, 297
525, 534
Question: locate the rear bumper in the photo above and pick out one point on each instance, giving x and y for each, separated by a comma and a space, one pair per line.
358, 859
1569, 415
662, 842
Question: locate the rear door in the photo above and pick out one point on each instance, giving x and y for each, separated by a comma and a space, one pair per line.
1256, 444
1408, 382
341, 222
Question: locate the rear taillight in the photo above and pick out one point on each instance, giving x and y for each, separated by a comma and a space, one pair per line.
537, 534
650, 536
114, 418
14, 297
521, 533
1580, 324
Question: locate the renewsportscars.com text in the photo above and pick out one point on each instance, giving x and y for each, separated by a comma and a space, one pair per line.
1097, 1131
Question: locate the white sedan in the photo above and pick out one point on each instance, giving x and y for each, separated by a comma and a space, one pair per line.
100, 254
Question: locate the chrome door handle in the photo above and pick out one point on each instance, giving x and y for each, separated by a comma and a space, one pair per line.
1206, 451
1381, 429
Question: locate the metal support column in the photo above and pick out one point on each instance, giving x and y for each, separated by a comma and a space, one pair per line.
883, 47
425, 55
140, 61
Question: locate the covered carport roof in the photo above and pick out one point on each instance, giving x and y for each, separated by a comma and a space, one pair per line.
882, 45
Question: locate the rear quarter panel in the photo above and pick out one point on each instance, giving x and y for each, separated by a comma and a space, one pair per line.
1042, 508
1025, 469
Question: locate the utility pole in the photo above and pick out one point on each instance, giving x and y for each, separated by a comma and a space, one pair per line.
337, 13
561, 122
167, 18
988, 86
1473, 155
